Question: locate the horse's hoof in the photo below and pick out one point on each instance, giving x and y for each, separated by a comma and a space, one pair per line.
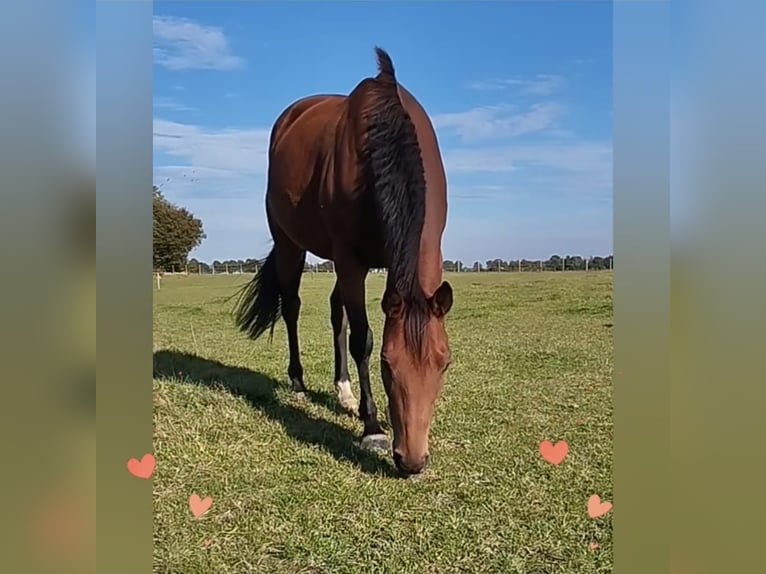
297, 386
376, 443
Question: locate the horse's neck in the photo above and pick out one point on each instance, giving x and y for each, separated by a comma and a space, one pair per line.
430, 256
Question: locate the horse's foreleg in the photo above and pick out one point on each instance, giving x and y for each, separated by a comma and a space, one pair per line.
351, 278
339, 320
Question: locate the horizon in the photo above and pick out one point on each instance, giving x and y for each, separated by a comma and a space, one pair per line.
520, 99
445, 260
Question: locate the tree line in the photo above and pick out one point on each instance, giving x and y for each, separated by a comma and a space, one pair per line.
176, 232
553, 263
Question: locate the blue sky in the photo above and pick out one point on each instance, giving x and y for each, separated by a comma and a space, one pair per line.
519, 92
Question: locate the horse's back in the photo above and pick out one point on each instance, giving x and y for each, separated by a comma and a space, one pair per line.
301, 140
299, 153
305, 117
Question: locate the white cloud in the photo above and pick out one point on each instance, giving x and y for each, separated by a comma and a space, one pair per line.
182, 44
578, 168
580, 156
162, 102
540, 85
184, 182
471, 192
493, 122
241, 151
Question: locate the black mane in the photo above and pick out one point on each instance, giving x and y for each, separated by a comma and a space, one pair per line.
395, 169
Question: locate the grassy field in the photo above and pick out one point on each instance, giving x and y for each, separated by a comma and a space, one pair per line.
293, 493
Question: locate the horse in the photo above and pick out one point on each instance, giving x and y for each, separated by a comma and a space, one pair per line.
358, 179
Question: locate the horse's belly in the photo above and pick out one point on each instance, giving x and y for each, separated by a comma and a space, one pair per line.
314, 241
301, 222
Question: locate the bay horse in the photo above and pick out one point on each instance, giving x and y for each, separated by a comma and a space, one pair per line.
358, 179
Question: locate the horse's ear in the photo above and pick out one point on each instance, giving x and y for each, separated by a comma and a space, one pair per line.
441, 300
392, 304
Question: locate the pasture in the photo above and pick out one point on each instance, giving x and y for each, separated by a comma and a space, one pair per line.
293, 493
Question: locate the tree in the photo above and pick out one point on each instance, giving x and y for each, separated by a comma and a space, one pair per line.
576, 262
496, 265
554, 263
598, 263
175, 233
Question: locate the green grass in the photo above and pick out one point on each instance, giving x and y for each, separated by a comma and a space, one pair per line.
293, 493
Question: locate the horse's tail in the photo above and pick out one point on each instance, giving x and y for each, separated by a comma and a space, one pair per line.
259, 304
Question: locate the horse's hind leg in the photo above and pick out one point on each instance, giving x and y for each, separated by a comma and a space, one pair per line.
339, 321
290, 262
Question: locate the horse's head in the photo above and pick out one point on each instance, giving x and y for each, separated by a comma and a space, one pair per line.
415, 355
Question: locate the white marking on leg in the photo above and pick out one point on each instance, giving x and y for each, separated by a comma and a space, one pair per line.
346, 397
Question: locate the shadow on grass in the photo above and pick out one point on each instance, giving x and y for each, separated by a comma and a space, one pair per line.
260, 392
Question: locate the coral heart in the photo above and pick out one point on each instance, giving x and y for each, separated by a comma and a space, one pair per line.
143, 468
554, 453
593, 545
199, 506
597, 508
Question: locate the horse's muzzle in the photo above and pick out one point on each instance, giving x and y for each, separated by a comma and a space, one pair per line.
410, 467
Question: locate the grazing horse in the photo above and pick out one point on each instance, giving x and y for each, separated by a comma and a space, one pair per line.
358, 179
